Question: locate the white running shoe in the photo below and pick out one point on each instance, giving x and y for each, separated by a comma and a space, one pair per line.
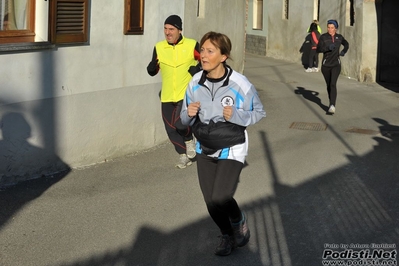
309, 70
331, 110
184, 161
315, 69
190, 149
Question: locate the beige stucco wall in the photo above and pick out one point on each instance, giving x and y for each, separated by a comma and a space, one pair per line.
368, 65
75, 106
80, 105
285, 37
223, 16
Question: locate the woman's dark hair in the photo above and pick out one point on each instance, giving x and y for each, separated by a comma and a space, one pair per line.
220, 40
312, 27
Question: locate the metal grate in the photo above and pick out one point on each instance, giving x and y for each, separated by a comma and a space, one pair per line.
362, 131
309, 126
70, 17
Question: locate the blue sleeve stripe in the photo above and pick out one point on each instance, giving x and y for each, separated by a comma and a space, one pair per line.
251, 107
188, 100
239, 97
196, 87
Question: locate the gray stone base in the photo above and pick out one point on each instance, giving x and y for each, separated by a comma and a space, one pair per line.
255, 44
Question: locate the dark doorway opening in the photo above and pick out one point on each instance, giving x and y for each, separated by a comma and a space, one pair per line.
388, 48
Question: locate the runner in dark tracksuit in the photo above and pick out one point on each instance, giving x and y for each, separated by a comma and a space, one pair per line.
313, 55
329, 44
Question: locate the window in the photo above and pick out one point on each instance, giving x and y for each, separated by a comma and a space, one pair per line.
285, 8
350, 13
17, 21
258, 15
134, 17
56, 21
316, 9
201, 9
69, 21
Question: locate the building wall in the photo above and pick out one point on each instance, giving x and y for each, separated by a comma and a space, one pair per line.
81, 105
368, 66
256, 39
215, 15
75, 106
255, 44
285, 36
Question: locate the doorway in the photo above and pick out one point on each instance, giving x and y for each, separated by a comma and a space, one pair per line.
388, 40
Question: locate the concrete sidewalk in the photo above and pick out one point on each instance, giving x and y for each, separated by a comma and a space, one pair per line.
312, 182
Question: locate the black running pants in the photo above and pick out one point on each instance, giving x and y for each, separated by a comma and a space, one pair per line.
218, 180
313, 58
177, 132
331, 75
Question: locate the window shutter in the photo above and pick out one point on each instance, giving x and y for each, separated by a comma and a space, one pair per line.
69, 21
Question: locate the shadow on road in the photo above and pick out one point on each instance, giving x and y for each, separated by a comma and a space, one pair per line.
16, 154
311, 96
355, 204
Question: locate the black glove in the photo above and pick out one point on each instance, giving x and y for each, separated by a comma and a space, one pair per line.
153, 66
194, 69
331, 46
342, 53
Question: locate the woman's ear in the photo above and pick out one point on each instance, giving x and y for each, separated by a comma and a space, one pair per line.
224, 58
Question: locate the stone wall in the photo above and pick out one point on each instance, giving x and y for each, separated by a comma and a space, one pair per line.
255, 44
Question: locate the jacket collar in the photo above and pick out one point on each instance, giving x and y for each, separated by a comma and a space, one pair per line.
179, 41
226, 76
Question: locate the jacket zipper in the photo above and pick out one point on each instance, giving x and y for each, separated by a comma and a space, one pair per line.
212, 93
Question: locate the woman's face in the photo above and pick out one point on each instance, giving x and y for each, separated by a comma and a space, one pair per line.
211, 57
331, 29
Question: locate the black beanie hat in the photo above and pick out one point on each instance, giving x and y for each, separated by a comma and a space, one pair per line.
175, 21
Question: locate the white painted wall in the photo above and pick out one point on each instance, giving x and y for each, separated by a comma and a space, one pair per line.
224, 16
285, 37
250, 23
80, 105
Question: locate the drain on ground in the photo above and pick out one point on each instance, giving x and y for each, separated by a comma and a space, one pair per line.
362, 131
309, 126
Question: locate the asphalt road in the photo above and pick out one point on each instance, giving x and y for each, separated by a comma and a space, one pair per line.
313, 184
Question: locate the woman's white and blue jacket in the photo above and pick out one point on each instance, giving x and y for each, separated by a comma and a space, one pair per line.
233, 89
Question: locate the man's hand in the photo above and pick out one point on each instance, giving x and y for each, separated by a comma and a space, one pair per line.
153, 66
193, 108
227, 112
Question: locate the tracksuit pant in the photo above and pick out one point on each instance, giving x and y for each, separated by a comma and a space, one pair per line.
177, 132
218, 180
331, 75
313, 58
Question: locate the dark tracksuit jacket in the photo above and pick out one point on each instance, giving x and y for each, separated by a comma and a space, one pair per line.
331, 58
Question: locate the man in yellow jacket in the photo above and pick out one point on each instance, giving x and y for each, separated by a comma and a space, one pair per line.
177, 57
